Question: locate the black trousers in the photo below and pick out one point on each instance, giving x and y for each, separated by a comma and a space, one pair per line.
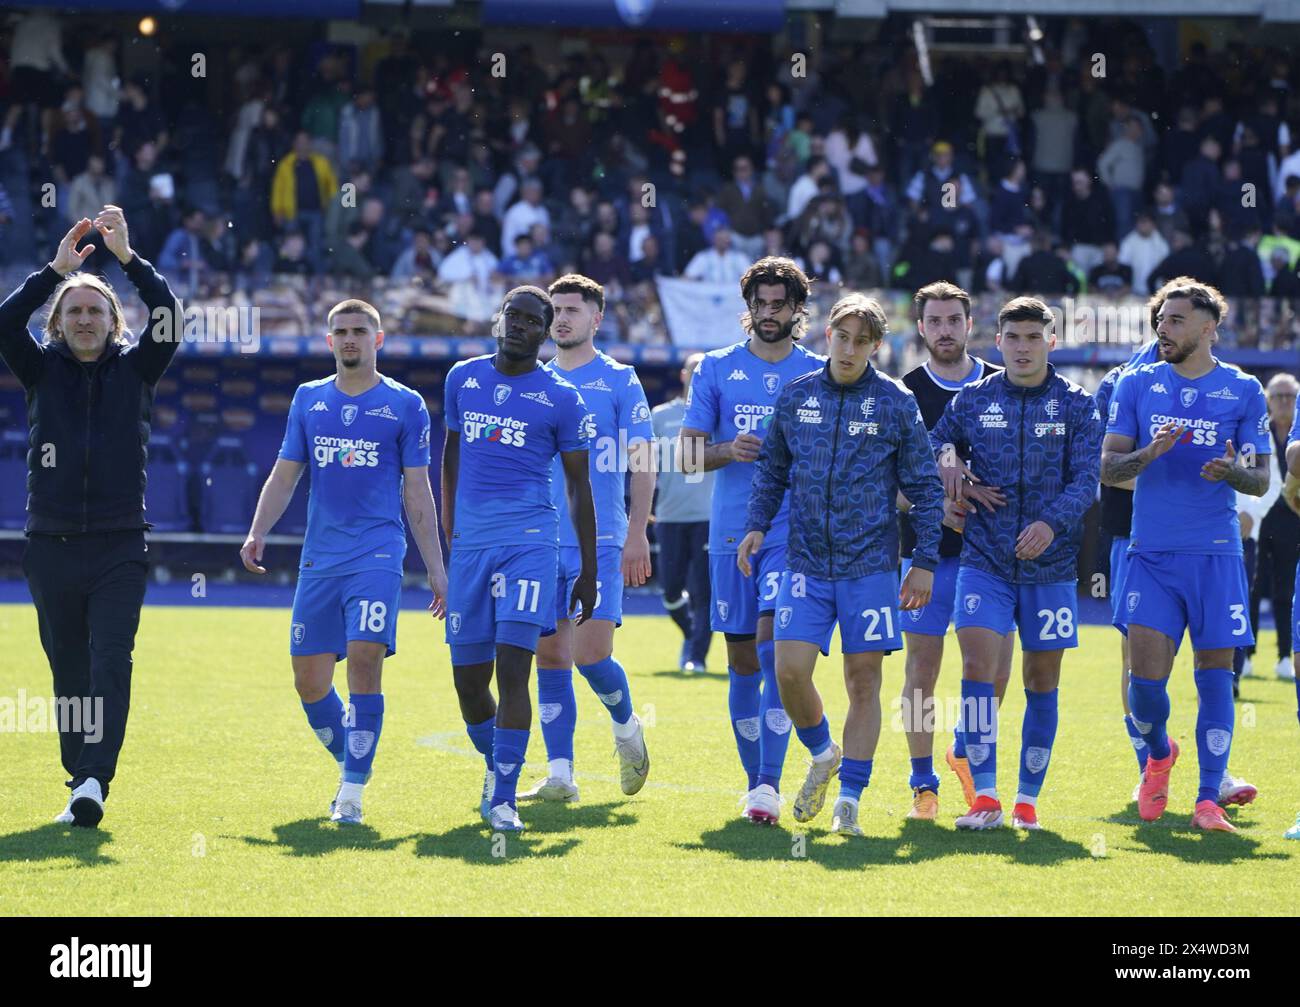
684, 565
1249, 556
88, 591
1275, 580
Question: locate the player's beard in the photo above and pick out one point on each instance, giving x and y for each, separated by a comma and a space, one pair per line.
350, 361
773, 335
572, 339
946, 354
1178, 354
514, 355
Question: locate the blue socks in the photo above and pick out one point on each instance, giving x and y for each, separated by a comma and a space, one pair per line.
855, 774
1149, 701
509, 746
367, 721
923, 775
480, 736
1139, 745
325, 717
817, 739
1214, 722
609, 680
959, 736
557, 709
774, 724
1036, 737
979, 721
743, 704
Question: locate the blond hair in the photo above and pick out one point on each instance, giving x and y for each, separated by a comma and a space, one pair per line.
864, 307
117, 320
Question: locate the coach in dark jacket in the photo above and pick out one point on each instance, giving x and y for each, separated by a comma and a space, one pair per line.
89, 402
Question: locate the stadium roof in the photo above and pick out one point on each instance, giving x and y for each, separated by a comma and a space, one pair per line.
1268, 10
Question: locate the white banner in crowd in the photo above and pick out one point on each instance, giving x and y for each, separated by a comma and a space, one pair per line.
701, 315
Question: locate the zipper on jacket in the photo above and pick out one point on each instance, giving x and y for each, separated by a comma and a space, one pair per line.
830, 476
1020, 494
85, 472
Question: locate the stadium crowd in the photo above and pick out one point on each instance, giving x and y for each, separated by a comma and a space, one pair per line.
472, 169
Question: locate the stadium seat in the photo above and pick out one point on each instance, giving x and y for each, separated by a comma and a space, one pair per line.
228, 488
13, 480
166, 492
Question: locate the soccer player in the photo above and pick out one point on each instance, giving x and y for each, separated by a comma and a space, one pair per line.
1173, 425
729, 409
366, 439
1038, 437
507, 419
1291, 491
843, 442
944, 322
619, 439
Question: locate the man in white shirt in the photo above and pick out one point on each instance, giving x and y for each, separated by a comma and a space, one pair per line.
470, 262
521, 217
719, 264
1142, 249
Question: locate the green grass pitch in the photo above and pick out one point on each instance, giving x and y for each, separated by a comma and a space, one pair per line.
219, 805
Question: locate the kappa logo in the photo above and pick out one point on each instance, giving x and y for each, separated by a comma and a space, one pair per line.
360, 743
783, 616
471, 382
747, 728
501, 393
537, 397
992, 418
778, 721
611, 698
972, 602
299, 632
771, 383
547, 712
737, 375
1132, 602
598, 386
977, 755
723, 609
994, 408
1158, 387
1187, 396
453, 620
811, 402
319, 406
1036, 758
1223, 393
384, 413
1218, 740
349, 414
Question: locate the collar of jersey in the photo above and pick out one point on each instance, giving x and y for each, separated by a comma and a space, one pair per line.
857, 386
1029, 393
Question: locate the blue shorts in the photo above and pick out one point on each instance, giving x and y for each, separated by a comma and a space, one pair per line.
609, 582
807, 608
499, 595
738, 600
1295, 609
1118, 572
1175, 591
328, 612
1046, 614
933, 619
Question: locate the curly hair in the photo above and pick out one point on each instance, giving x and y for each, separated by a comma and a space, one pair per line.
117, 320
779, 271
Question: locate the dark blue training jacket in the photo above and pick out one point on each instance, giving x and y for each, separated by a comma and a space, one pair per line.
844, 452
1042, 447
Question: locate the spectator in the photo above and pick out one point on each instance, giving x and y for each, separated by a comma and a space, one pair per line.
74, 140
384, 242
735, 116
415, 192
138, 122
155, 220
1055, 127
821, 264
927, 187
1231, 203
990, 273
1201, 182
851, 153
182, 252
999, 108
1009, 202
1240, 271
99, 78
1285, 282
347, 258
719, 263
691, 239
862, 269
458, 197
605, 264
1042, 272
1142, 250
253, 270
323, 113
1179, 146
217, 247
38, 66
1122, 166
304, 184
91, 190
418, 261
1111, 277
825, 219
471, 262
914, 125
520, 218
1286, 213
292, 260
651, 263
806, 186
361, 135
747, 208
1088, 221
1186, 259
342, 214
526, 264
1169, 216
935, 262
883, 216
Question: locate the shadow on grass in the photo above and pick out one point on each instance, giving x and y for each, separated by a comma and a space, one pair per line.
55, 841
474, 843
692, 676
916, 842
1173, 833
310, 837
